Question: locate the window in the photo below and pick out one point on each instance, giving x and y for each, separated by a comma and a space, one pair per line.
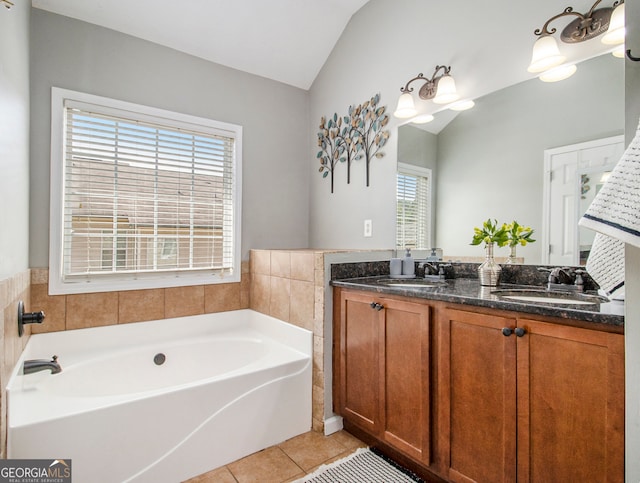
413, 214
141, 197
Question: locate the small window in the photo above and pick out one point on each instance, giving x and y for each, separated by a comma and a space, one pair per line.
141, 197
413, 215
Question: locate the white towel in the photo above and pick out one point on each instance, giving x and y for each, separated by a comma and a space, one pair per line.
615, 215
606, 265
615, 211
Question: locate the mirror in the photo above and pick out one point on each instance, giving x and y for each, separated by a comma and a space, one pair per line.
488, 162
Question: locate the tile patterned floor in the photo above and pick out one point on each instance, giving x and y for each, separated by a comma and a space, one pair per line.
285, 462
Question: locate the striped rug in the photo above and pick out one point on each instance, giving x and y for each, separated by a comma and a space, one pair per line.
363, 466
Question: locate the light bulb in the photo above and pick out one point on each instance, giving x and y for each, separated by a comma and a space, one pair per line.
558, 73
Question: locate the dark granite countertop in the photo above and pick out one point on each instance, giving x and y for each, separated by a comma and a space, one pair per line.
468, 291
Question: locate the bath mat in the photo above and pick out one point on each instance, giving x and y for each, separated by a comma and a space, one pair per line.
364, 466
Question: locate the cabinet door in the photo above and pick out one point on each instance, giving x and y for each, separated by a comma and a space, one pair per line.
477, 397
405, 386
570, 404
360, 333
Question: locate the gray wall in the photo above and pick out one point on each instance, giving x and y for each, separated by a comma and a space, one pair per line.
14, 139
79, 56
490, 158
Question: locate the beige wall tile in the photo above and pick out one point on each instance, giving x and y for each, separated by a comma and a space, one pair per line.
221, 297
302, 304
260, 297
54, 307
317, 408
281, 264
141, 305
39, 275
92, 310
318, 352
183, 301
260, 261
245, 291
302, 266
279, 304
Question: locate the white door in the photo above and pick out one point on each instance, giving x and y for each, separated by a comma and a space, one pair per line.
573, 175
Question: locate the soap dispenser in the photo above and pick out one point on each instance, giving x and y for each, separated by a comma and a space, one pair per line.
408, 265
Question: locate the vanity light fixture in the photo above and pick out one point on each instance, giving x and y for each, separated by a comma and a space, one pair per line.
597, 21
440, 88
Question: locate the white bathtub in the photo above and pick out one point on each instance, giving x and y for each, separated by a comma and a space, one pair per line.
232, 383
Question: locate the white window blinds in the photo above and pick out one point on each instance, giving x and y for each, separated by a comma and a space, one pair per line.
413, 210
144, 195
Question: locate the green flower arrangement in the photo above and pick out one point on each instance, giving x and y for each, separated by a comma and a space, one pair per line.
518, 234
490, 233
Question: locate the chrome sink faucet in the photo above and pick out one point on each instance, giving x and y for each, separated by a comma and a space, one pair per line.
35, 365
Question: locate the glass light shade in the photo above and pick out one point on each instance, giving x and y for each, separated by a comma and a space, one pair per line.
446, 91
406, 108
422, 119
615, 32
558, 73
462, 105
619, 51
545, 54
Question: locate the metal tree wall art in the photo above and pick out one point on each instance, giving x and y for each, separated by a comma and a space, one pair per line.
344, 139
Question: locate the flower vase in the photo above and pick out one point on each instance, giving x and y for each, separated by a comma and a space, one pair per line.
511, 259
489, 271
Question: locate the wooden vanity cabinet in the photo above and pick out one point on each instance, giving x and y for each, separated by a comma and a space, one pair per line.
382, 354
525, 400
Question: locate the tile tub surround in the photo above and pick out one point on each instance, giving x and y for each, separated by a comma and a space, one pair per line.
289, 285
12, 290
79, 311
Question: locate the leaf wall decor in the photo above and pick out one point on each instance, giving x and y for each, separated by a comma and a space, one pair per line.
358, 135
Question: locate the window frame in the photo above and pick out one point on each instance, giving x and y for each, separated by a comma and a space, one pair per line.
417, 171
137, 280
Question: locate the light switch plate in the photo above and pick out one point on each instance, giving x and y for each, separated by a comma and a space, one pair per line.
368, 228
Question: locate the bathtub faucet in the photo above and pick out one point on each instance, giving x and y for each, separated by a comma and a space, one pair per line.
35, 365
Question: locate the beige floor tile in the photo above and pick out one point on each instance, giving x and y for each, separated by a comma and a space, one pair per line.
311, 449
220, 475
344, 454
271, 465
347, 440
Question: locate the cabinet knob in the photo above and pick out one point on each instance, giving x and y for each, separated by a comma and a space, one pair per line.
376, 305
520, 331
506, 331
373, 305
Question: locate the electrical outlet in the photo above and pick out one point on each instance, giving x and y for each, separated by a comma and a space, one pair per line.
368, 228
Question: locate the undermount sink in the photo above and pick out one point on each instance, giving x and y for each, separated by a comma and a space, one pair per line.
546, 297
412, 283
